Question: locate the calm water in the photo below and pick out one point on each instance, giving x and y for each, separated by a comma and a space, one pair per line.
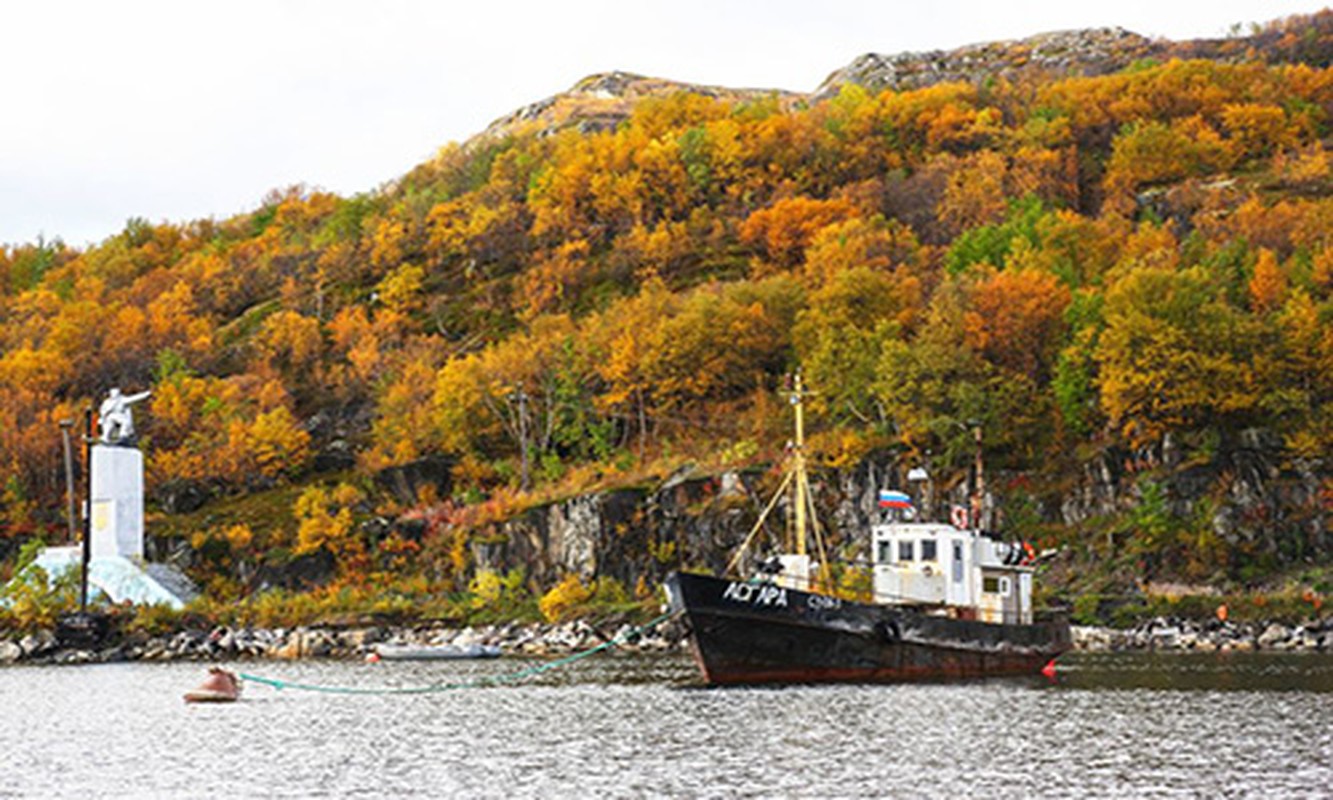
1112, 725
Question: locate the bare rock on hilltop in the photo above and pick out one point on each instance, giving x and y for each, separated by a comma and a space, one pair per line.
602, 101
1095, 51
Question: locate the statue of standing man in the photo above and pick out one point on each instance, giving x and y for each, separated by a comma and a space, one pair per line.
117, 421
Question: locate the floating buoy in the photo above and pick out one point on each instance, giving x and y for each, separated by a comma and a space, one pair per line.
372, 658
1222, 613
1049, 669
220, 686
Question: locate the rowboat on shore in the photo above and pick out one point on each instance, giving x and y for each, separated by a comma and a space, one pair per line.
435, 652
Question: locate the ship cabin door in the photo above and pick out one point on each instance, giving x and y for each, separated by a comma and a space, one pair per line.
1002, 596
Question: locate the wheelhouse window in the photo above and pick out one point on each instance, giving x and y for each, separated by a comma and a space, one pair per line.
928, 551
885, 552
990, 584
905, 550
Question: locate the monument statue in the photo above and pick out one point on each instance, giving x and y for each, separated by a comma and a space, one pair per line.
117, 421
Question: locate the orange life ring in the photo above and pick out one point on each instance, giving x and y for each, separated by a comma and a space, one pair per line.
959, 517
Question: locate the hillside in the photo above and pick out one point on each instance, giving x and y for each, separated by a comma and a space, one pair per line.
1115, 259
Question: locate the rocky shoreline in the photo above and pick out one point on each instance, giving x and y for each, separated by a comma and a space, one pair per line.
233, 644
1177, 634
346, 643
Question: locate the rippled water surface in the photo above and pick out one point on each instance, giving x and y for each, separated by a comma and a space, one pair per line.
1111, 725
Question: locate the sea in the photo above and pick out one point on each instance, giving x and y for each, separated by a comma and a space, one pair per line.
621, 725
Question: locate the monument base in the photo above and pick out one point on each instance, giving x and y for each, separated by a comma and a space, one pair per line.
121, 579
117, 501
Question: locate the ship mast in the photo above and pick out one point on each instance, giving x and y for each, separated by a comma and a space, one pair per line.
802, 501
804, 516
802, 489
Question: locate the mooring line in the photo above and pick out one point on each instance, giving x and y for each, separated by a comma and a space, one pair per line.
487, 680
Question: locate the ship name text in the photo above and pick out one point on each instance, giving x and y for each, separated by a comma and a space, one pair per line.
757, 594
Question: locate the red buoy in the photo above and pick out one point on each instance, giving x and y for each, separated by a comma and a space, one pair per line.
221, 686
1049, 669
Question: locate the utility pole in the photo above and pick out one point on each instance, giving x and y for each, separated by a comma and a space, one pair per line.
66, 425
88, 509
978, 497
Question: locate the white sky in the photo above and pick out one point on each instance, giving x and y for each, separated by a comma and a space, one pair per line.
178, 110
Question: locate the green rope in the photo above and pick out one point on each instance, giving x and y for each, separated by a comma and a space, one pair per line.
489, 680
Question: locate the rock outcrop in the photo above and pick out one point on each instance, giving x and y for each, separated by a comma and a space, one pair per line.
602, 101
1095, 51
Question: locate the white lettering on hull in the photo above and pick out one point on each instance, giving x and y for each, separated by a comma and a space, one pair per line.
756, 594
823, 602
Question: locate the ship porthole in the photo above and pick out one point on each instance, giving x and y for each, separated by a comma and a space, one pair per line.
889, 630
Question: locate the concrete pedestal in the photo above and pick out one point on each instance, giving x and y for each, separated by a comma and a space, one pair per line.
117, 502
120, 579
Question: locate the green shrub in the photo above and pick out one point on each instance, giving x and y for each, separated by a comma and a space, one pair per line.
1087, 610
33, 599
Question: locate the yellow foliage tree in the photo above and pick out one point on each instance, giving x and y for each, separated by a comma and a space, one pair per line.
277, 443
564, 597
324, 521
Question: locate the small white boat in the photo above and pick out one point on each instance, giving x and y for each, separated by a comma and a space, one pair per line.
435, 652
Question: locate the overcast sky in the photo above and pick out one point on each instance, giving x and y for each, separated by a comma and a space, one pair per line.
181, 110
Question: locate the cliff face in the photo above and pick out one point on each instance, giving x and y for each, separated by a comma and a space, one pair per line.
1247, 494
1244, 495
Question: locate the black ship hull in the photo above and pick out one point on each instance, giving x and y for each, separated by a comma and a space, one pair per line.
754, 633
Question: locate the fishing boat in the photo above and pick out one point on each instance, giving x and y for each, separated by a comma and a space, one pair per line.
948, 601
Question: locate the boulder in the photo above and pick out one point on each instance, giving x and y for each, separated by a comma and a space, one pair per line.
1167, 638
38, 644
358, 639
317, 644
10, 652
289, 649
182, 496
1273, 635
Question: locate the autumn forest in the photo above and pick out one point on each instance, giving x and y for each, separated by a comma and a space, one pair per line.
1089, 267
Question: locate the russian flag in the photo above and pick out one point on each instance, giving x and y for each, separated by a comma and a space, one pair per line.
891, 499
